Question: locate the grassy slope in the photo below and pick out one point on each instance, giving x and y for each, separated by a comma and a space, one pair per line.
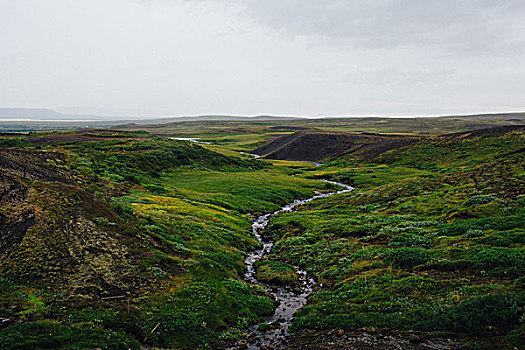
127, 231
432, 240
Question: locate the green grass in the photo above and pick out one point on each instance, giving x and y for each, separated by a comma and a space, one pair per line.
276, 272
245, 192
52, 335
161, 224
415, 247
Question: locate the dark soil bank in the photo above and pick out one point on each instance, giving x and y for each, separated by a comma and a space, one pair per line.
315, 146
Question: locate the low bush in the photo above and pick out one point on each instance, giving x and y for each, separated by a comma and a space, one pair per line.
488, 314
411, 240
501, 261
505, 238
481, 199
461, 227
276, 272
406, 257
53, 335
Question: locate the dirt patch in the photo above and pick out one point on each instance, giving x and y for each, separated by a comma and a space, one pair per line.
35, 165
13, 230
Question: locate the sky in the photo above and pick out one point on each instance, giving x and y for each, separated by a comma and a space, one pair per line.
253, 57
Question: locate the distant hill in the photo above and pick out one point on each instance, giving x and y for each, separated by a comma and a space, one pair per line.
495, 131
315, 146
44, 114
511, 116
41, 114
203, 118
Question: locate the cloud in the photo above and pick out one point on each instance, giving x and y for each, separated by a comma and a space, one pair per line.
263, 56
393, 76
470, 26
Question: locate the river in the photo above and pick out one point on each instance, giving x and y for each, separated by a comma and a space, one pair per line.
289, 298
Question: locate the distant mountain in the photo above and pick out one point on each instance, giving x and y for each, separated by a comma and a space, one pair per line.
41, 114
29, 113
44, 114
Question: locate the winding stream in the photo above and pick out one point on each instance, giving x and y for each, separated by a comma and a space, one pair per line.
289, 299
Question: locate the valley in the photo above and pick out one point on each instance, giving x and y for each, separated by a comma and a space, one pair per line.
133, 239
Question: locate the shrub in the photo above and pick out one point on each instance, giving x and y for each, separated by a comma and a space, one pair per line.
52, 335
14, 142
474, 233
104, 221
411, 240
481, 199
120, 206
186, 328
157, 272
501, 261
488, 314
261, 305
276, 272
406, 257
504, 239
461, 227
156, 189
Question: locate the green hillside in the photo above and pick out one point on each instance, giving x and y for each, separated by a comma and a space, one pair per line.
108, 234
432, 240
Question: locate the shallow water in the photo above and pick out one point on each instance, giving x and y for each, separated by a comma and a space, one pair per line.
290, 299
255, 156
191, 139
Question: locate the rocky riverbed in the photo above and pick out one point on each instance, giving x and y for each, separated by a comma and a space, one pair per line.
289, 298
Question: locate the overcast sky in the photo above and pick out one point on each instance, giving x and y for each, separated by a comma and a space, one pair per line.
247, 57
